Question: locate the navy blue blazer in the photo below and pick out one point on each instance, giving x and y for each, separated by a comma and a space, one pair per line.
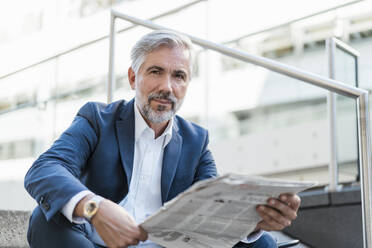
96, 153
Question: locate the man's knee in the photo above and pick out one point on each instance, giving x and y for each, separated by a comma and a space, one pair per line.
42, 233
265, 241
36, 227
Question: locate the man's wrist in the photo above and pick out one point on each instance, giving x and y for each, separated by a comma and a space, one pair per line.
68, 209
79, 209
91, 207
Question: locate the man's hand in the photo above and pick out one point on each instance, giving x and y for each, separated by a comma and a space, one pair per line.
116, 227
278, 213
114, 224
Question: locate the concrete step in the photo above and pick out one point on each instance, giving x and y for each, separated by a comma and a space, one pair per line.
329, 219
14, 224
13, 228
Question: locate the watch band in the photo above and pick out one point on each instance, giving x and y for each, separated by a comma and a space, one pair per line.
91, 207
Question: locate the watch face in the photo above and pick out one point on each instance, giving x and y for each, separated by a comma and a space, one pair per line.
90, 209
91, 206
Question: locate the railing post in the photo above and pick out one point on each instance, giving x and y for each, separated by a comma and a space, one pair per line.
365, 167
111, 73
331, 101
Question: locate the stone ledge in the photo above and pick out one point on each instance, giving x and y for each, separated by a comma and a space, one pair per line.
14, 224
13, 228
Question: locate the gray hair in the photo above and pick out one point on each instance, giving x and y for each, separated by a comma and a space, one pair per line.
156, 39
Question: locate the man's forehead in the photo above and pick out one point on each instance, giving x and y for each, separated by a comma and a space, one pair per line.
168, 58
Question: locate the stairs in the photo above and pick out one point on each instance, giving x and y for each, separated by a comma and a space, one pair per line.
329, 219
13, 228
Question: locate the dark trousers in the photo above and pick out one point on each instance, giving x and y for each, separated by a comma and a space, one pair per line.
43, 234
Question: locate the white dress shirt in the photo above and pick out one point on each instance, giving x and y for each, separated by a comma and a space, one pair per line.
144, 193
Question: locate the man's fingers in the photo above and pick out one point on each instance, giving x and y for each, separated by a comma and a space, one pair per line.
283, 208
108, 240
274, 215
143, 234
278, 214
135, 233
264, 226
292, 200
132, 241
269, 224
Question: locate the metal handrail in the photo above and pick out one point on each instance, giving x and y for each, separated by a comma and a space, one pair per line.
170, 12
331, 44
332, 85
291, 21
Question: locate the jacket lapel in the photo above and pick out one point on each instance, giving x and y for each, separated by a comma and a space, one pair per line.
125, 133
171, 157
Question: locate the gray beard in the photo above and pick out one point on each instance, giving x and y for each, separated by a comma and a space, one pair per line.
159, 115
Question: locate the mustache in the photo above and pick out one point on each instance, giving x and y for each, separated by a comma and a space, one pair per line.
163, 96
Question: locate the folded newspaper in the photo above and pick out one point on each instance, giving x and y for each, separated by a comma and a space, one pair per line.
215, 213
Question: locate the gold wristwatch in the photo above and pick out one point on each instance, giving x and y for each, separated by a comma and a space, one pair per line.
91, 207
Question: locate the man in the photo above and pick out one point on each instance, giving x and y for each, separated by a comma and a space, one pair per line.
118, 163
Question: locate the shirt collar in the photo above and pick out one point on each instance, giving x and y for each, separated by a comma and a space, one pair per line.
141, 126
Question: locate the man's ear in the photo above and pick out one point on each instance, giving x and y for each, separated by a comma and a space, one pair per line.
132, 78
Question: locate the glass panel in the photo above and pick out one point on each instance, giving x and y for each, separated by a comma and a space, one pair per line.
25, 130
346, 119
81, 77
264, 123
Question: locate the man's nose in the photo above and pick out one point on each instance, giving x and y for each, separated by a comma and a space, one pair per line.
166, 83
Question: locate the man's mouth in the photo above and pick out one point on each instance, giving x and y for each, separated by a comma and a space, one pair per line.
162, 101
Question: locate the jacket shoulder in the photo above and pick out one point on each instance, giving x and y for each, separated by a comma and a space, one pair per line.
97, 113
188, 128
98, 108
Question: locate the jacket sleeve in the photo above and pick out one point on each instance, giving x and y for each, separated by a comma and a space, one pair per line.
53, 178
206, 167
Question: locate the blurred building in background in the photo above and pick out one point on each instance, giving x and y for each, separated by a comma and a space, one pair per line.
54, 58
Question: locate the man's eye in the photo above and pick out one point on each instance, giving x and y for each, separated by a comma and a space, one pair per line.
180, 76
155, 72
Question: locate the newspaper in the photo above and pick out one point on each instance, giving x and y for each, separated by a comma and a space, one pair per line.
215, 213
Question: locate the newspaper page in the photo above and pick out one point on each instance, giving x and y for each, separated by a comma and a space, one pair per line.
216, 212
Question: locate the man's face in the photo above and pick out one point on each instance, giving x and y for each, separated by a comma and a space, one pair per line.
161, 83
